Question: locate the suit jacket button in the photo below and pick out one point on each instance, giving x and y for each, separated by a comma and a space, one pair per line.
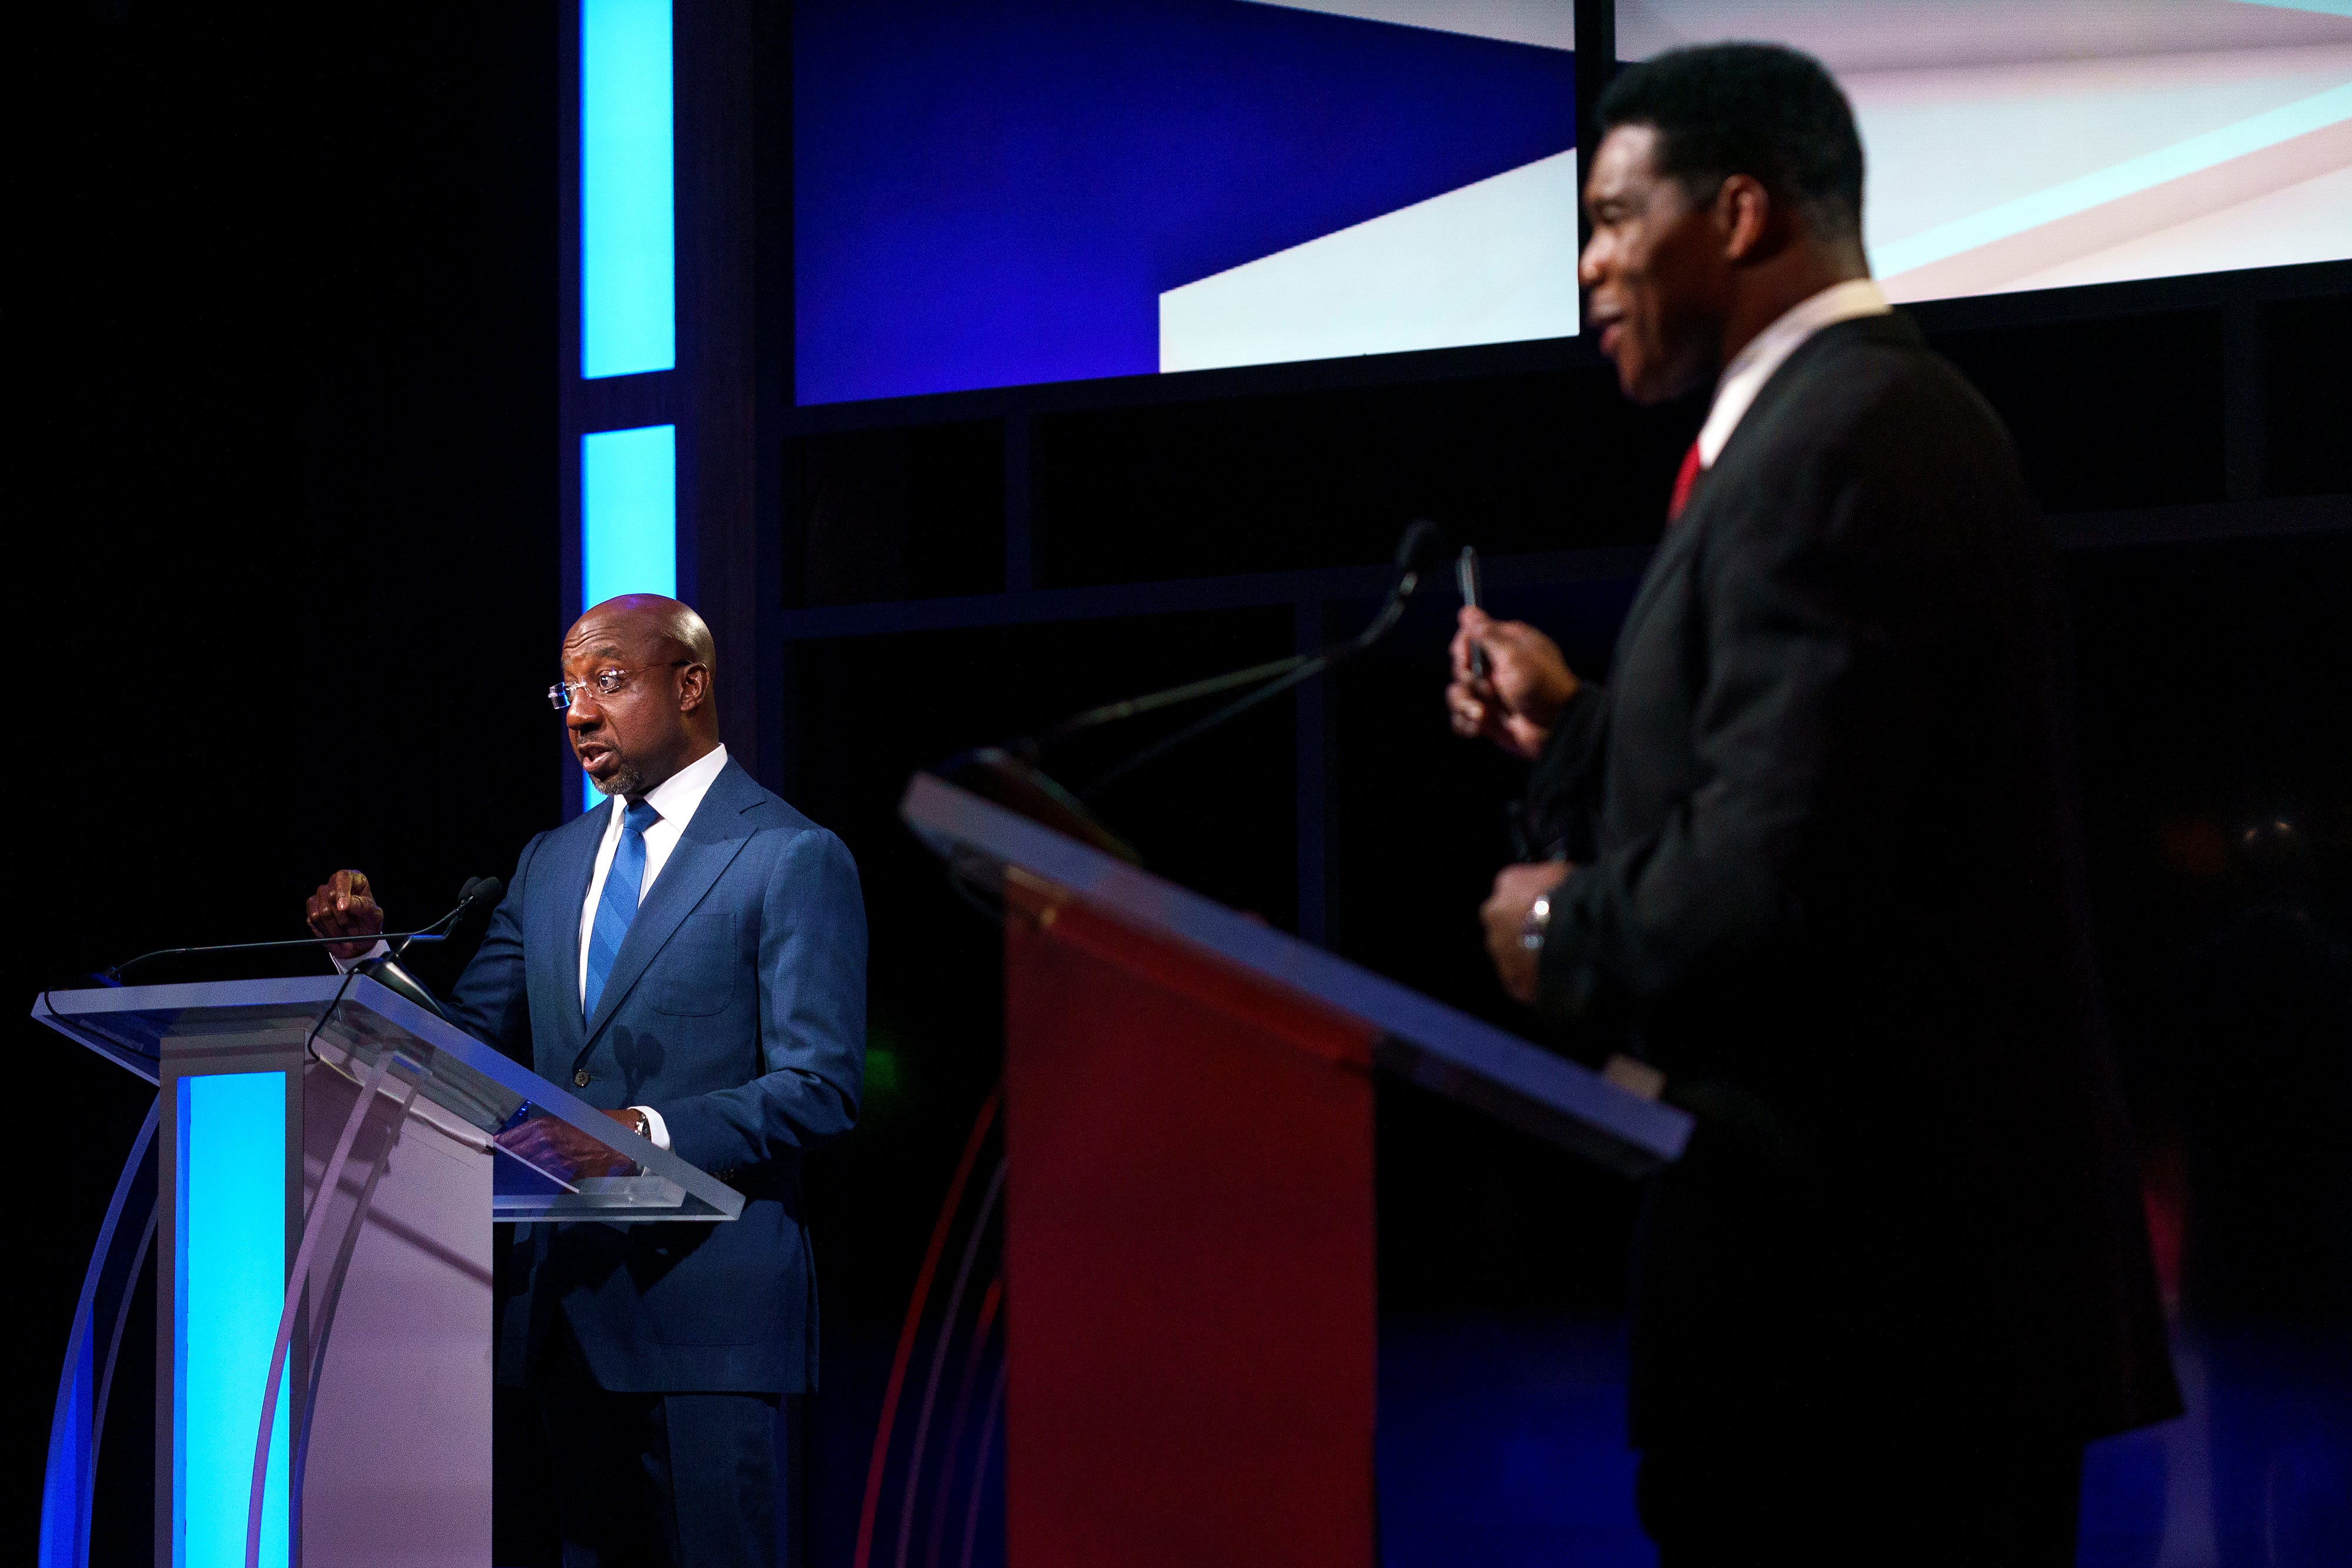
580, 1078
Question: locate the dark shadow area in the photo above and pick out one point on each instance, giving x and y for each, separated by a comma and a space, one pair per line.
2119, 413
289, 488
2306, 343
898, 513
1528, 462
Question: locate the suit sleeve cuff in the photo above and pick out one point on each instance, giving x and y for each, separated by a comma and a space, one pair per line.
656, 1130
378, 951
1567, 984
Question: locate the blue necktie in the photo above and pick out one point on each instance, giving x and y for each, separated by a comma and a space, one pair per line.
619, 904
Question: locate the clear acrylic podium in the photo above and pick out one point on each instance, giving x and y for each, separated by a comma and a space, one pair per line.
357, 1324
1191, 1342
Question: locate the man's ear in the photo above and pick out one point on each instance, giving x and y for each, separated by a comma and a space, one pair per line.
693, 687
1743, 211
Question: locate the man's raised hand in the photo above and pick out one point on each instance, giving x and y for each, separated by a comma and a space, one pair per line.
344, 905
1526, 684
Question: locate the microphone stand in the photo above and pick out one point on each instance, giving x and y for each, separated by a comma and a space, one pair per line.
1303, 668
1130, 706
1009, 775
432, 933
385, 968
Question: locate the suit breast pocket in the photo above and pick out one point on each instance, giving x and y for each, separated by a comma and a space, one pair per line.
696, 973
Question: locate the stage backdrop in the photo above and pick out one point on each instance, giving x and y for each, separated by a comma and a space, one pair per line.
1036, 190
2046, 143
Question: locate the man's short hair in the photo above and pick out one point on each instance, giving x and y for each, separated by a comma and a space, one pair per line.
1758, 110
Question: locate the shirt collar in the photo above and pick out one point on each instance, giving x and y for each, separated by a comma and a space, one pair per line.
677, 796
1769, 350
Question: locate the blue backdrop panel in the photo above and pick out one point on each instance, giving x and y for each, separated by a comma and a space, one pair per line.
993, 194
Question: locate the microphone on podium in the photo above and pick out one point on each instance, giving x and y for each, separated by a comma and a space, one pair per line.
477, 889
385, 969
1421, 550
1008, 774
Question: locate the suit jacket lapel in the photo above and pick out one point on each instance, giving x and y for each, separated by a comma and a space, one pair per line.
713, 838
561, 934
1781, 384
1682, 533
1662, 562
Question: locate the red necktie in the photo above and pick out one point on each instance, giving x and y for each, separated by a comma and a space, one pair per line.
1683, 483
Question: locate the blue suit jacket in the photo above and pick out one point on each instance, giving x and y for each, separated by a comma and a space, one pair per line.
737, 1008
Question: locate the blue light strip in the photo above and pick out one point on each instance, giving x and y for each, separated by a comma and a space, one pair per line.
628, 255
628, 513
231, 1249
65, 1485
628, 520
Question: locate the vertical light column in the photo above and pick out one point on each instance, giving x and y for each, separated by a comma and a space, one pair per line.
628, 243
628, 520
628, 300
231, 1286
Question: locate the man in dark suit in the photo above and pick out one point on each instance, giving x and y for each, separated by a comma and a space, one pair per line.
692, 960
1814, 852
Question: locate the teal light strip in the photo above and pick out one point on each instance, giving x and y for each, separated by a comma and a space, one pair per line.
2322, 7
628, 254
2114, 182
628, 513
628, 520
231, 1286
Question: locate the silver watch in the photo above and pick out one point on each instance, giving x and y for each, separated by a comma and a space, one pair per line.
1538, 921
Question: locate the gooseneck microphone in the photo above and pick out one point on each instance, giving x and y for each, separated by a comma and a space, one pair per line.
1422, 549
1009, 775
477, 889
385, 969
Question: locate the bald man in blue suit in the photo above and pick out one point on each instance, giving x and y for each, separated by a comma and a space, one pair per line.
691, 959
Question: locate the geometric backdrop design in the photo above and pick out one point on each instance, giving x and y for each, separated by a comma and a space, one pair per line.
1001, 191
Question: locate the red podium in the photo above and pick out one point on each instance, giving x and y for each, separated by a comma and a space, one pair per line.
1189, 1328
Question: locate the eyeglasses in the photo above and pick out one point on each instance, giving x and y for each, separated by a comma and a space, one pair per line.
607, 683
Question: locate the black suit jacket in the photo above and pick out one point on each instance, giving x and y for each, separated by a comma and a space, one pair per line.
1831, 881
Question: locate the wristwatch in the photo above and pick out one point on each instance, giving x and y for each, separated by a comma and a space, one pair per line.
1538, 921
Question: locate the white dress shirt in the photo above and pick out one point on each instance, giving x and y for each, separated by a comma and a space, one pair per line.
675, 798
1736, 389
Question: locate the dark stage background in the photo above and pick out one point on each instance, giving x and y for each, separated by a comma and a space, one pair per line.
289, 422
